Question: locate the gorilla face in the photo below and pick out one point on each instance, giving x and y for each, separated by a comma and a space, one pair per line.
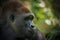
21, 24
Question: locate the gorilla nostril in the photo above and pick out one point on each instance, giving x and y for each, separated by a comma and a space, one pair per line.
32, 26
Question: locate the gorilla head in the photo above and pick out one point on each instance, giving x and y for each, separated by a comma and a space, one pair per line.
17, 22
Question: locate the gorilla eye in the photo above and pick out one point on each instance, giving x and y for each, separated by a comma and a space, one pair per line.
31, 17
12, 17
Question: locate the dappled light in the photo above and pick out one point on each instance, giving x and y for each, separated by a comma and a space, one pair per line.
47, 17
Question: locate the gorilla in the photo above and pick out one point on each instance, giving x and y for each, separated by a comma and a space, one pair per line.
16, 22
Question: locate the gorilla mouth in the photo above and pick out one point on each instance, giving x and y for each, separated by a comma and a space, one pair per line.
29, 34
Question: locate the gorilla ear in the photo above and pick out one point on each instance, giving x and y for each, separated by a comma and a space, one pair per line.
12, 17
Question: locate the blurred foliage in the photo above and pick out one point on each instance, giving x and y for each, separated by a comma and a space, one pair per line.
47, 17
43, 15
